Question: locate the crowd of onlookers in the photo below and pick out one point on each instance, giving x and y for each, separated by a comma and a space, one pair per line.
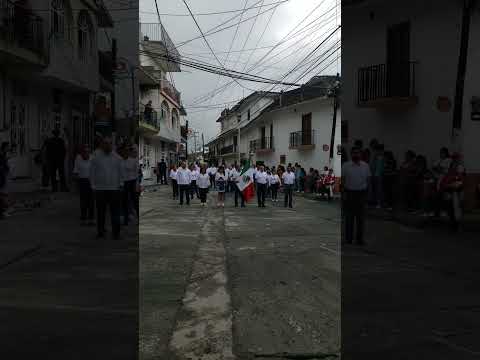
413, 184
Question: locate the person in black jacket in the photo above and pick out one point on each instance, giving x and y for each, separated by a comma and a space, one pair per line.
56, 152
162, 172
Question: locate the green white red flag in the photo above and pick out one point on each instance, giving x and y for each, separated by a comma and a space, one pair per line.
245, 183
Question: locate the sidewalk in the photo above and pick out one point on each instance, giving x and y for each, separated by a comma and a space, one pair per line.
60, 284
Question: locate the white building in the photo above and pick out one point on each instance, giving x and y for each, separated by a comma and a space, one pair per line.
49, 76
400, 73
160, 136
290, 127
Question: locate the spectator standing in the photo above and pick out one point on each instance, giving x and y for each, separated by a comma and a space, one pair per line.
162, 171
106, 177
81, 171
56, 152
355, 179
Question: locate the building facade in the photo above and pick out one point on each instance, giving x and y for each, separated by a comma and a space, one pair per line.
401, 80
49, 77
160, 133
290, 127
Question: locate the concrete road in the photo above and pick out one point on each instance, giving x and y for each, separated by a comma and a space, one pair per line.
239, 283
411, 294
63, 294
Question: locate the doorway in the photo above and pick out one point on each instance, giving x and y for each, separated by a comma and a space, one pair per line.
398, 60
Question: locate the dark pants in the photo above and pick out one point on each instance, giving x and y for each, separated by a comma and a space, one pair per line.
288, 190
163, 177
212, 181
194, 189
45, 175
110, 198
261, 193
86, 199
274, 189
203, 195
129, 195
238, 194
57, 166
354, 206
174, 188
184, 190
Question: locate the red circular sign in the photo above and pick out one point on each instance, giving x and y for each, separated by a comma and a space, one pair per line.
326, 147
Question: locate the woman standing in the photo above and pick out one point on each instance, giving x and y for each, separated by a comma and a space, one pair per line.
274, 181
220, 182
173, 177
203, 183
194, 186
81, 171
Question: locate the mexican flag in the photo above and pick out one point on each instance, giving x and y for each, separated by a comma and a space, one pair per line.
245, 185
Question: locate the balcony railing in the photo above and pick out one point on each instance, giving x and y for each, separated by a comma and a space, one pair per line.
150, 119
262, 144
231, 149
19, 26
170, 90
156, 32
301, 139
380, 82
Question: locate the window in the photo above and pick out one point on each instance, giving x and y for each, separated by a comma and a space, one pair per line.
248, 115
164, 111
60, 19
84, 34
174, 119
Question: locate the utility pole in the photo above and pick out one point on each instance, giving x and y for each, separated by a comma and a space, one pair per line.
112, 93
203, 147
195, 145
186, 143
334, 121
468, 6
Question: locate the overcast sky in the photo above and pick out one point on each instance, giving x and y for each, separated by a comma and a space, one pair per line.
194, 84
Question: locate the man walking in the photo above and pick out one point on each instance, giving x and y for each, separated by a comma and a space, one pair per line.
56, 152
184, 179
162, 172
106, 177
355, 179
262, 180
288, 179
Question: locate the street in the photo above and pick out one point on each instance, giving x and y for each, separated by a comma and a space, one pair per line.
238, 283
63, 292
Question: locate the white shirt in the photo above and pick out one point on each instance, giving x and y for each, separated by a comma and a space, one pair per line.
213, 171
130, 168
288, 178
106, 172
203, 181
261, 177
234, 174
184, 176
194, 175
173, 174
356, 175
274, 179
82, 167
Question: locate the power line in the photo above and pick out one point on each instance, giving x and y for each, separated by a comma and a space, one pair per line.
217, 12
281, 42
211, 32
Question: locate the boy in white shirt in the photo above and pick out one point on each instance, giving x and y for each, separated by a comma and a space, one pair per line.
184, 179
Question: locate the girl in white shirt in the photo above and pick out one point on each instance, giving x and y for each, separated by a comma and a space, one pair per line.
81, 171
221, 183
203, 184
274, 181
194, 186
173, 177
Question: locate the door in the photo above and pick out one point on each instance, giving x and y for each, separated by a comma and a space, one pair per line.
398, 60
306, 134
19, 139
262, 138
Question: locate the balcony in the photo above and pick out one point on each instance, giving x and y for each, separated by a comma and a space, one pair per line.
148, 123
168, 89
302, 140
228, 150
21, 33
262, 145
157, 37
384, 86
